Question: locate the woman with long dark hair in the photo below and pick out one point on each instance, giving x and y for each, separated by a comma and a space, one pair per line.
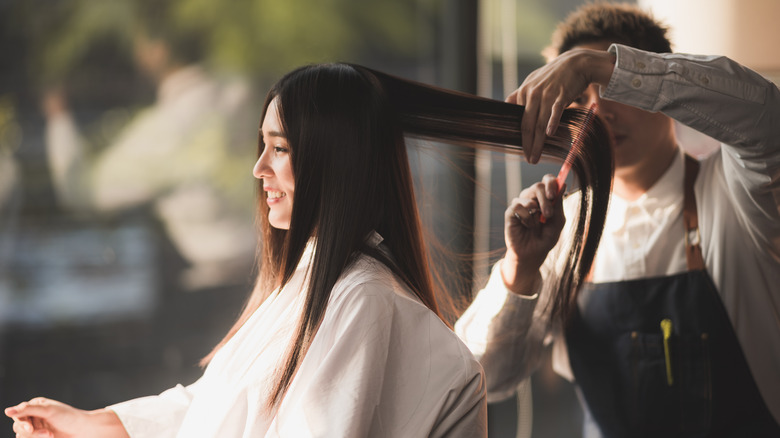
343, 335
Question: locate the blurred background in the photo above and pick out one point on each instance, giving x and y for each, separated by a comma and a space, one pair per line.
127, 139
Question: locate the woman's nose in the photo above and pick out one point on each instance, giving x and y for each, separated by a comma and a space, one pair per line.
260, 169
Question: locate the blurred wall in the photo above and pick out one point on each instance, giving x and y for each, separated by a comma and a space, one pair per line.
744, 30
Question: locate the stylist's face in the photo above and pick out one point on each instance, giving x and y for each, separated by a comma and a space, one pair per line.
275, 169
638, 137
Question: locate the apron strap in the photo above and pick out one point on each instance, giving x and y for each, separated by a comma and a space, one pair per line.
691, 217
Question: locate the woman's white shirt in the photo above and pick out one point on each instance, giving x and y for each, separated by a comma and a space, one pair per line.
381, 365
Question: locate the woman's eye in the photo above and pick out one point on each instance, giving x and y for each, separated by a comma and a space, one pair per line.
280, 149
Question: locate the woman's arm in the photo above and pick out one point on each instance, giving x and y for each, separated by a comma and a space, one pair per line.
42, 417
153, 416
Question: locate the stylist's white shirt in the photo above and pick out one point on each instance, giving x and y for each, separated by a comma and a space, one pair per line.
381, 365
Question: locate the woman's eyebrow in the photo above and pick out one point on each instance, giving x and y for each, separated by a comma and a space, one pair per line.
275, 134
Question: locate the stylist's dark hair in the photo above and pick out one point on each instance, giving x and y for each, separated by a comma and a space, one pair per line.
345, 125
615, 23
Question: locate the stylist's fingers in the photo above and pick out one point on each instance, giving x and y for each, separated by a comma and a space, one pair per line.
514, 97
556, 112
524, 213
548, 191
550, 105
541, 107
528, 122
526, 210
540, 131
542, 194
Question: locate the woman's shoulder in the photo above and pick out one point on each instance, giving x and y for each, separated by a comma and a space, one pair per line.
371, 290
366, 279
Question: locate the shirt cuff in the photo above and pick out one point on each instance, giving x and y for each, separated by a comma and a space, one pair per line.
496, 282
515, 307
636, 79
154, 416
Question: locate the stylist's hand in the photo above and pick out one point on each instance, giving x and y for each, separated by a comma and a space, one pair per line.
42, 417
547, 91
527, 239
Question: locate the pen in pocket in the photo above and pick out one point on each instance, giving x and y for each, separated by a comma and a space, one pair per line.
666, 328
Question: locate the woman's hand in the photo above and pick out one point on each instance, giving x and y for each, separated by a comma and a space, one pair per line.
42, 417
550, 89
527, 239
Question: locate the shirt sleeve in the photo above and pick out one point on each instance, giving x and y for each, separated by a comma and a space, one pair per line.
157, 416
506, 333
729, 103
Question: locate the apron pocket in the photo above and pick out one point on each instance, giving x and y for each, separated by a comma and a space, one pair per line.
658, 405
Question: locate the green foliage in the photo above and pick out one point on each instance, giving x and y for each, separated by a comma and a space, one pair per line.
68, 30
258, 37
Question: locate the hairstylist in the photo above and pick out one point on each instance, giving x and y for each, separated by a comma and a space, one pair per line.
677, 332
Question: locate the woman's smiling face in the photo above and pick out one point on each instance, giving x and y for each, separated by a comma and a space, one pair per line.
275, 169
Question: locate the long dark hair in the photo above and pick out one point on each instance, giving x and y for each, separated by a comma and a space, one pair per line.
345, 125
431, 112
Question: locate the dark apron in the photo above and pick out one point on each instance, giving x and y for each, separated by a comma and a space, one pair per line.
657, 357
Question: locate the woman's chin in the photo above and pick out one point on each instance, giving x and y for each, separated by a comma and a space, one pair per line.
278, 223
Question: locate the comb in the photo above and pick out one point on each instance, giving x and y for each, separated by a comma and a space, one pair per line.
576, 145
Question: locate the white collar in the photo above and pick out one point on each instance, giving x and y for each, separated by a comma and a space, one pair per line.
665, 193
373, 239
